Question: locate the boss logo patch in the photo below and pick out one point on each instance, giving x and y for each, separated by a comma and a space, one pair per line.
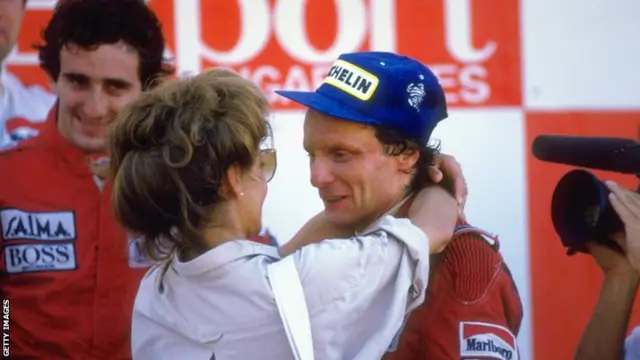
29, 258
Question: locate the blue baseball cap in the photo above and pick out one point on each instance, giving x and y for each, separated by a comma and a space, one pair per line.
380, 89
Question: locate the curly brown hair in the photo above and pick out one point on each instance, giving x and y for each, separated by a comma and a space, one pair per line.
171, 149
91, 23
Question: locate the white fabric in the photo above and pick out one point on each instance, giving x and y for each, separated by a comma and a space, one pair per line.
632, 345
358, 292
25, 104
292, 306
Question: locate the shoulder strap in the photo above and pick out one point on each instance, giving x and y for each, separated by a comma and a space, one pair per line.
292, 306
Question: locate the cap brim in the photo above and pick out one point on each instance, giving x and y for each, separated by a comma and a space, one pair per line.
326, 105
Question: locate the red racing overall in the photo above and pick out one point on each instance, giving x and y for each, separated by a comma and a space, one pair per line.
472, 308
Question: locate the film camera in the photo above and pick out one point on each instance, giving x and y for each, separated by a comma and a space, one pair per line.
580, 208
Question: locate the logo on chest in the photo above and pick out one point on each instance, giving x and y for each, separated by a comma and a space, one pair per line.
487, 341
46, 241
45, 226
29, 258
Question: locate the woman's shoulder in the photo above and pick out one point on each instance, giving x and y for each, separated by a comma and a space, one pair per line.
222, 290
218, 270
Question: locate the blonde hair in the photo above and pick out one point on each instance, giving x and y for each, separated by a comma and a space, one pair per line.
171, 149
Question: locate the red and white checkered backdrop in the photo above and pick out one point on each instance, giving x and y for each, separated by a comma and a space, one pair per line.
512, 70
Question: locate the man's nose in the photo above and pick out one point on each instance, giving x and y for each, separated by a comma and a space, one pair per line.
96, 104
320, 173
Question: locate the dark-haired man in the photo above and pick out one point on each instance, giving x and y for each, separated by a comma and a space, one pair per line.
69, 271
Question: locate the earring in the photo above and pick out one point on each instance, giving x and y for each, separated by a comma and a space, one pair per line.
241, 194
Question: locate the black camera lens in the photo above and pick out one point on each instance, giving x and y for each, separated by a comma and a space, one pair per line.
580, 210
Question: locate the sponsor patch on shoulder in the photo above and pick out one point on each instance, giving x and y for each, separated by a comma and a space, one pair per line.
487, 341
18, 224
30, 258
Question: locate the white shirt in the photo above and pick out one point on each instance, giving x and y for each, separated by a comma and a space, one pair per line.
220, 305
30, 103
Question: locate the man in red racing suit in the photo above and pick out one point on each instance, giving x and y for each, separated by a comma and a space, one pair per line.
472, 309
69, 271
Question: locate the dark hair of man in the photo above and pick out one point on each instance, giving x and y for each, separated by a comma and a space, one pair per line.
91, 23
395, 143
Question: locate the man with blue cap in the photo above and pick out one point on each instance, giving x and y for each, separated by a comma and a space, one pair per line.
367, 132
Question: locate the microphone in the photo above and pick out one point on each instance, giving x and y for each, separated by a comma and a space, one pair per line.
602, 153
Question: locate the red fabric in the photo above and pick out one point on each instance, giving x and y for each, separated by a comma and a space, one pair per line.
263, 239
470, 289
62, 312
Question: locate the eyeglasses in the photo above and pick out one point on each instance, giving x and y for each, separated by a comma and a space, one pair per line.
268, 163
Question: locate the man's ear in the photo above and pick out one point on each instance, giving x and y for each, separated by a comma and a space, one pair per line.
407, 160
233, 185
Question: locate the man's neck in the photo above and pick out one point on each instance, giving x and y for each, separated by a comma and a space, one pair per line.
391, 209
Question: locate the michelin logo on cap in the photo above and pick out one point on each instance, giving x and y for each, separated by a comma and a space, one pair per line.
352, 80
